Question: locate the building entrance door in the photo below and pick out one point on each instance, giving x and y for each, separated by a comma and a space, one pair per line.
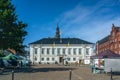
61, 59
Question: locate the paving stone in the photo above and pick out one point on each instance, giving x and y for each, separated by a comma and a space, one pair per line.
55, 72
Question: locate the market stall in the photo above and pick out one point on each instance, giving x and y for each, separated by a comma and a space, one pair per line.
100, 61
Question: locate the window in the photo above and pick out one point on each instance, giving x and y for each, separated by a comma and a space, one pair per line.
36, 50
74, 59
64, 50
48, 50
79, 51
69, 51
53, 59
42, 59
74, 51
43, 50
87, 51
68, 59
53, 51
47, 59
35, 58
58, 50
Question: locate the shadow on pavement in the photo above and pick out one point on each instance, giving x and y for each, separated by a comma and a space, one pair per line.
116, 73
33, 70
49, 69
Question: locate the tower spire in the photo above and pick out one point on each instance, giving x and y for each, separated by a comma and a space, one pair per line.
57, 35
113, 25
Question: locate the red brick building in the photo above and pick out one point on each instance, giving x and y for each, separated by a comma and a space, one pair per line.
111, 42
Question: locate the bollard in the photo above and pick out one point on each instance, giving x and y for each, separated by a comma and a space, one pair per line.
70, 74
12, 74
111, 75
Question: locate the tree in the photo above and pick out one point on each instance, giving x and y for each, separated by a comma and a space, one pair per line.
12, 31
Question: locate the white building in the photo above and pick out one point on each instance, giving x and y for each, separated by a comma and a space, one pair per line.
60, 50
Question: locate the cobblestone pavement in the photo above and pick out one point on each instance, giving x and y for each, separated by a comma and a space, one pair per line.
55, 72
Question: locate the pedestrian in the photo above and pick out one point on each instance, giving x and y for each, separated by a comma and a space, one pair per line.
92, 67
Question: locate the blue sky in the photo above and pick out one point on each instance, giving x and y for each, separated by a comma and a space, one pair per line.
90, 20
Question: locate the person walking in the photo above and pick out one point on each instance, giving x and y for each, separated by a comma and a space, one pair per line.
92, 67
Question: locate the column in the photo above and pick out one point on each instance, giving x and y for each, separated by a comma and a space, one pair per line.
84, 53
39, 57
31, 54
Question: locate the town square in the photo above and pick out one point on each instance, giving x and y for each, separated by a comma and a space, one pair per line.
57, 72
59, 40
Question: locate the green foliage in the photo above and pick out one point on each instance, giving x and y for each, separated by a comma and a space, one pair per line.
1, 53
13, 30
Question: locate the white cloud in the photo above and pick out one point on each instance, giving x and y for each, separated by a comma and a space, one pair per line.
101, 30
90, 23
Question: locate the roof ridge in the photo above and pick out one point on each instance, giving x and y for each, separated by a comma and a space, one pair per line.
103, 40
64, 41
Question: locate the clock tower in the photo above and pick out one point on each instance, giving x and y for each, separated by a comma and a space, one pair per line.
57, 35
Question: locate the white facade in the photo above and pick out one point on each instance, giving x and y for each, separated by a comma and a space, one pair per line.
60, 53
